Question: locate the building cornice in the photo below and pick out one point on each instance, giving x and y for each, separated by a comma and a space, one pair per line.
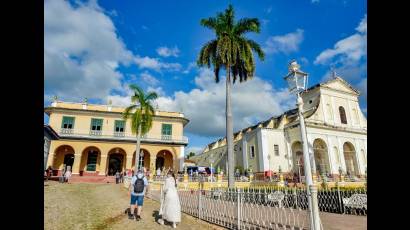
327, 127
105, 140
49, 110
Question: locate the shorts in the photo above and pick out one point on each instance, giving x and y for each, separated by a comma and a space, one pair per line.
137, 199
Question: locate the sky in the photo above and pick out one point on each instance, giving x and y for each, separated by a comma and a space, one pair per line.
95, 49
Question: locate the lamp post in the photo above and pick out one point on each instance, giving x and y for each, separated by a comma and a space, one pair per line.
139, 160
298, 164
270, 173
296, 80
211, 160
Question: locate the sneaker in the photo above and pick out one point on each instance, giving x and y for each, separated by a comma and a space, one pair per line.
174, 225
130, 216
138, 218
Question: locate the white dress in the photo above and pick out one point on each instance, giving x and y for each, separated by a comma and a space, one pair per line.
170, 207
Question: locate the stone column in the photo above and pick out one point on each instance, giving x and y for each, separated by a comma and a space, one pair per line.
103, 165
76, 165
152, 160
50, 160
128, 163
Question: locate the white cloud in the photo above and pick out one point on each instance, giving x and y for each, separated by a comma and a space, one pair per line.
209, 98
155, 64
268, 10
190, 67
350, 55
362, 28
287, 43
348, 50
158, 90
362, 87
164, 51
149, 79
195, 149
81, 51
144, 27
304, 61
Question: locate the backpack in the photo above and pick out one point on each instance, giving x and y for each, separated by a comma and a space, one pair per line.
139, 185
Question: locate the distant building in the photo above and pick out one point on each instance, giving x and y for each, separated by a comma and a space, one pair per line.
95, 140
49, 134
336, 131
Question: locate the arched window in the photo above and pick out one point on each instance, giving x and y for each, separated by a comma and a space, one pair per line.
342, 115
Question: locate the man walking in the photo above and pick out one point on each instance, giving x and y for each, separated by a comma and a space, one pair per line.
137, 190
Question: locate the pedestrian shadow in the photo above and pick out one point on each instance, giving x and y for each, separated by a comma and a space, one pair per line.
156, 215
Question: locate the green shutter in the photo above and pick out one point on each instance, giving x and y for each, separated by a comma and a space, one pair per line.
166, 129
119, 124
96, 122
92, 161
67, 121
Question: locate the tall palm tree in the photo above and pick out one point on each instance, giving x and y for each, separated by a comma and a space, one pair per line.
141, 113
232, 51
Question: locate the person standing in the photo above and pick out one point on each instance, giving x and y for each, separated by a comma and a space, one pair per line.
62, 176
49, 172
158, 173
117, 177
201, 181
67, 176
137, 190
170, 205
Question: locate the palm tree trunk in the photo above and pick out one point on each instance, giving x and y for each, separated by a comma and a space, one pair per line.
229, 130
137, 152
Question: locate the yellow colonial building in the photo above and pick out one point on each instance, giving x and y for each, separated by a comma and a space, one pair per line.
95, 140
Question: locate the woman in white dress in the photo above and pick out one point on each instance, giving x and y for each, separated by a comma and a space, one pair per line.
170, 206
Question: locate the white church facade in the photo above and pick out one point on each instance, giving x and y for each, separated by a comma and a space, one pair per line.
336, 131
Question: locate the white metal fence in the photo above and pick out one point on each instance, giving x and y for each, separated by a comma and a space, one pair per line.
241, 209
266, 208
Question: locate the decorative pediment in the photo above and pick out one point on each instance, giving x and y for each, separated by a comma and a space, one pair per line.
340, 85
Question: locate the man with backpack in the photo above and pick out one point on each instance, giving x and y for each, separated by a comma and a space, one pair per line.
137, 190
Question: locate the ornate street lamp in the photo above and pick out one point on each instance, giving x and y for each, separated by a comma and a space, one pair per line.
296, 80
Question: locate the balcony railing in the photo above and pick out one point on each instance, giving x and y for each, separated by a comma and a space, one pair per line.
101, 134
95, 132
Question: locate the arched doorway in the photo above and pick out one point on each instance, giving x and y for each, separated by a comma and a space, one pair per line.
144, 159
90, 161
321, 157
69, 161
116, 161
349, 154
164, 160
115, 164
64, 156
298, 163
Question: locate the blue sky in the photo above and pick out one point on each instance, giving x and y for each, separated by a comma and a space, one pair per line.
95, 49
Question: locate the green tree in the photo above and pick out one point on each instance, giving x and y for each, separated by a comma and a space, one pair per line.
191, 154
141, 113
232, 51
